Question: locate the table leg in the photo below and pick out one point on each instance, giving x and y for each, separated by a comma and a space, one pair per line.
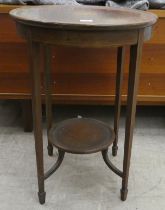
34, 55
118, 92
48, 87
135, 57
27, 115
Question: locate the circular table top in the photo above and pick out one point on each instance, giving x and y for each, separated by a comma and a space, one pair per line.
83, 17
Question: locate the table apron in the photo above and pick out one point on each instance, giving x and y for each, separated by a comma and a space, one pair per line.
95, 39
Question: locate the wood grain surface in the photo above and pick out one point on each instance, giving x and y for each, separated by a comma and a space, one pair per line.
71, 67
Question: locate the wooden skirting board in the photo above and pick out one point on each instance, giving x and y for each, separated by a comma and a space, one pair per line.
85, 76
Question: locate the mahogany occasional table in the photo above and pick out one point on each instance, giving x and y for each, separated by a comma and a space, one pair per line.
83, 26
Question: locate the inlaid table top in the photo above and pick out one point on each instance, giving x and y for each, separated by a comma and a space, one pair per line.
84, 17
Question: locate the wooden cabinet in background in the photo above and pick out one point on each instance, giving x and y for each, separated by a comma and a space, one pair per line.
81, 77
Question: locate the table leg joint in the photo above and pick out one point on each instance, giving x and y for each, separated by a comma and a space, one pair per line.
110, 164
56, 165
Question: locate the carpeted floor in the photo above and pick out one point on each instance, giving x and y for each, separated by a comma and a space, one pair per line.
83, 182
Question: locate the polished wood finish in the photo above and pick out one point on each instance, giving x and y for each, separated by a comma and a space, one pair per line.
110, 164
118, 91
83, 18
14, 77
56, 165
48, 92
107, 37
133, 80
34, 52
83, 136
86, 88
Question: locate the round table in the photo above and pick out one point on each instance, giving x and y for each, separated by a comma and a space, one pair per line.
83, 26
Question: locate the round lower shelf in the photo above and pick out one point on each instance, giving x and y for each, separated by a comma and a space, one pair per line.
81, 136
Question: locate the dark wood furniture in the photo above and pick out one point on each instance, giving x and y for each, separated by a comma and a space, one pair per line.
83, 27
77, 76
